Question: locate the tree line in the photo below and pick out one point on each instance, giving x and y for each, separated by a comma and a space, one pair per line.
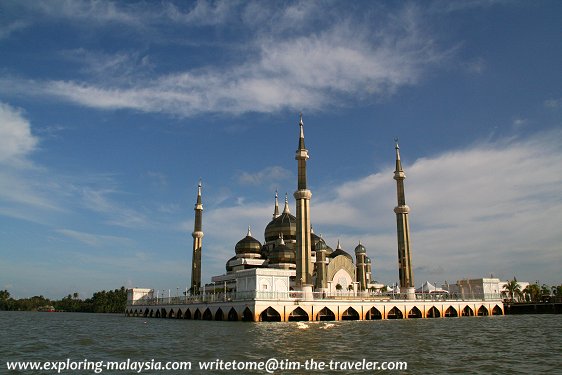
113, 301
533, 292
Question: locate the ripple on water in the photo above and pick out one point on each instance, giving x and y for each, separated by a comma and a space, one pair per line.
478, 345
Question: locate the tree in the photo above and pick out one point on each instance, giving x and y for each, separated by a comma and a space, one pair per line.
4, 299
532, 293
513, 288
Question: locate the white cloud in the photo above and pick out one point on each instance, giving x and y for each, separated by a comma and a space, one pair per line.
203, 13
16, 140
98, 200
7, 30
268, 175
91, 11
349, 59
475, 66
94, 239
491, 208
553, 103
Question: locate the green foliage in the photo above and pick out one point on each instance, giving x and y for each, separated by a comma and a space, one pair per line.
532, 293
113, 301
513, 288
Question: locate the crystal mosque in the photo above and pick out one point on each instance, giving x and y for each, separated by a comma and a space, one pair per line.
294, 275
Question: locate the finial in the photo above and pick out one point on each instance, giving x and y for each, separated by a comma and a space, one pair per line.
199, 185
301, 139
359, 242
286, 209
338, 247
249, 232
276, 209
398, 161
281, 241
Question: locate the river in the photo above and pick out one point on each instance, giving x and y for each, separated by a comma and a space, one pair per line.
522, 344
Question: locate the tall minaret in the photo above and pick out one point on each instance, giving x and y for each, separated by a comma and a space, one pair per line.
302, 196
403, 229
197, 244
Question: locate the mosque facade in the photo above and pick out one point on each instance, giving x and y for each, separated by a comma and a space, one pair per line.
295, 275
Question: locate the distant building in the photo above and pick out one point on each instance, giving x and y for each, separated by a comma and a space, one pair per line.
485, 288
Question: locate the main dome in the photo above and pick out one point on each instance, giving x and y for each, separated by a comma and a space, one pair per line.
285, 224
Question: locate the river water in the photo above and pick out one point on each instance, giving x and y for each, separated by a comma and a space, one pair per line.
522, 344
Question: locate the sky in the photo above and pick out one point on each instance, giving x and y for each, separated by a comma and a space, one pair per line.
111, 112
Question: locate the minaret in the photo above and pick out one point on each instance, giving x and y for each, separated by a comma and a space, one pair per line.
197, 244
320, 284
276, 210
403, 229
361, 258
302, 196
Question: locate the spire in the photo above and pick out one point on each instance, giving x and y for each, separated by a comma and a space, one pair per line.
276, 210
301, 156
281, 241
398, 161
338, 247
301, 139
199, 186
249, 232
286, 209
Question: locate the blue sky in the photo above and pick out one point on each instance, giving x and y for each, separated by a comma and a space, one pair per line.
110, 112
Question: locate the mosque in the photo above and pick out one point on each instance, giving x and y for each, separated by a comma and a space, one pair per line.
291, 245
295, 275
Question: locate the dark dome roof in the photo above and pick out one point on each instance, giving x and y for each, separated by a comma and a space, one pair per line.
340, 251
248, 245
360, 249
282, 254
284, 223
321, 245
314, 239
367, 259
228, 266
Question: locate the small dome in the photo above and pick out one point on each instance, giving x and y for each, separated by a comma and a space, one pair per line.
228, 266
368, 260
340, 251
314, 239
281, 253
360, 249
321, 245
248, 245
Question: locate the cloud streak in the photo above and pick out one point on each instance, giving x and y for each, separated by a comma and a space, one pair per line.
349, 59
494, 207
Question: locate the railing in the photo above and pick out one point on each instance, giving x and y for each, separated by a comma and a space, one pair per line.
300, 296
